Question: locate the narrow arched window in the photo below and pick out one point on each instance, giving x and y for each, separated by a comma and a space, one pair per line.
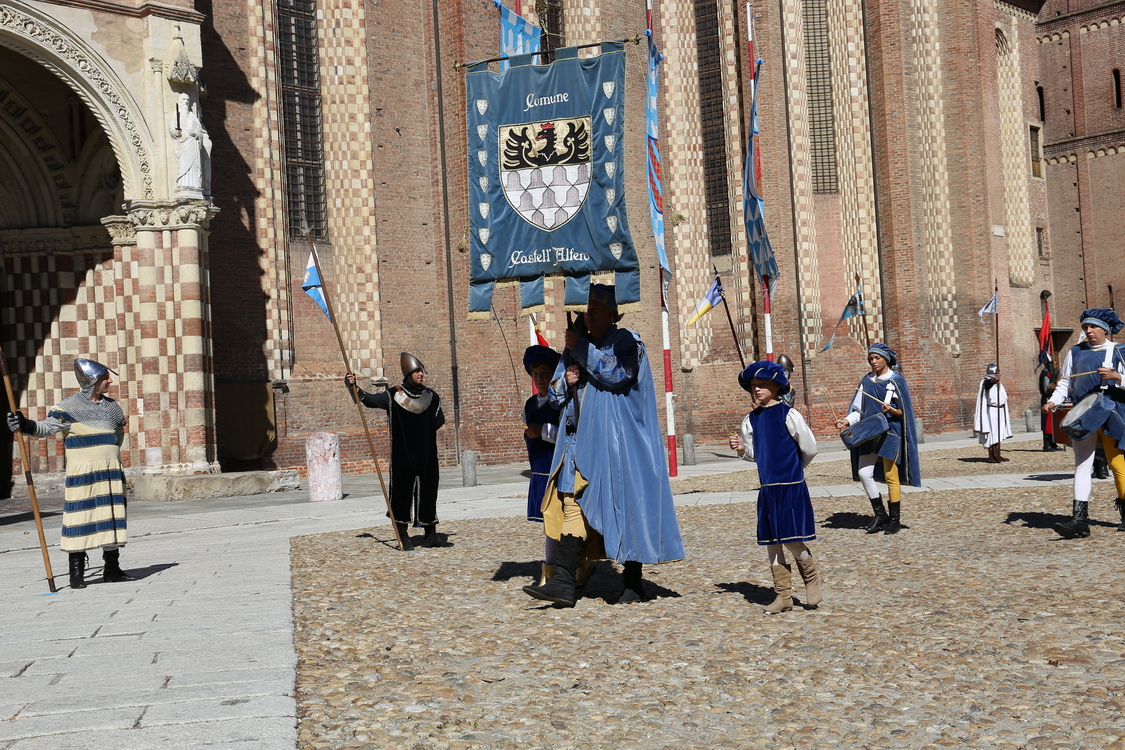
1042, 107
1117, 88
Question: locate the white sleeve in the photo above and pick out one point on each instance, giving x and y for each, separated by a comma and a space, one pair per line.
800, 431
747, 439
855, 411
1062, 388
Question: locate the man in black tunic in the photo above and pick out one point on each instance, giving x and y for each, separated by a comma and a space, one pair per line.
414, 415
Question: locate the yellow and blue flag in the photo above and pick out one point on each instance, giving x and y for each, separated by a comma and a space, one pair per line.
713, 297
312, 285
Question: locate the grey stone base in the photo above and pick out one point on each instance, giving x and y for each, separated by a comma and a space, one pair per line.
200, 486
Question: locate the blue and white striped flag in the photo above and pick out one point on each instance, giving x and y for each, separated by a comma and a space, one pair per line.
652, 157
765, 264
518, 36
851, 310
312, 285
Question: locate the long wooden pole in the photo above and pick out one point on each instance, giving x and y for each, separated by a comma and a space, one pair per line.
730, 320
866, 332
996, 291
355, 386
27, 475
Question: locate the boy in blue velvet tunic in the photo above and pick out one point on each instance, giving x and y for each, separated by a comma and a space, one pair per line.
777, 438
541, 429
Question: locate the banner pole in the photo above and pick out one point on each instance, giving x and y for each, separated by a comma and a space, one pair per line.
27, 475
355, 387
730, 320
669, 408
866, 332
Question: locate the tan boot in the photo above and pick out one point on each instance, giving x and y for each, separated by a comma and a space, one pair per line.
782, 584
545, 574
811, 576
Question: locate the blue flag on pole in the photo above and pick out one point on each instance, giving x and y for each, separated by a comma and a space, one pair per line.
851, 310
312, 285
710, 300
518, 36
752, 204
652, 157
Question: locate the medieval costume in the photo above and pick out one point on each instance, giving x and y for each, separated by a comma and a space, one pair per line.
1047, 378
893, 456
93, 427
414, 416
990, 420
1079, 378
608, 473
542, 417
778, 439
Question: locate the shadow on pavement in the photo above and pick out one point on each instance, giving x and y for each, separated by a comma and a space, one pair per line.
751, 592
847, 520
28, 516
1035, 520
509, 570
1049, 477
138, 573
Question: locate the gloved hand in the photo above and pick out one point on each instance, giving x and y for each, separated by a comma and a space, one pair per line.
17, 421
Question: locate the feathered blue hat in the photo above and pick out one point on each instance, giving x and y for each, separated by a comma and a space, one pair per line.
1103, 317
885, 352
539, 353
764, 370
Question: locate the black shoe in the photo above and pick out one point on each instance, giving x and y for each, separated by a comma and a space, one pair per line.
881, 518
634, 590
112, 572
560, 589
77, 570
1049, 444
893, 524
404, 536
1077, 527
431, 539
1101, 468
1120, 503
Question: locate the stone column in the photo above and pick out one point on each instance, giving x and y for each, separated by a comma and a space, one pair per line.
174, 323
124, 238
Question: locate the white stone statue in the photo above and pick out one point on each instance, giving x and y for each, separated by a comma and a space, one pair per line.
191, 147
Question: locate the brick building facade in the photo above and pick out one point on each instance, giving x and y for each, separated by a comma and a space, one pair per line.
934, 150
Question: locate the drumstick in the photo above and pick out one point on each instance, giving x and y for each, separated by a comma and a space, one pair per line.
1080, 374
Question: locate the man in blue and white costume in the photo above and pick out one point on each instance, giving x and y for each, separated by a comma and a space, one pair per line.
893, 456
608, 474
1096, 364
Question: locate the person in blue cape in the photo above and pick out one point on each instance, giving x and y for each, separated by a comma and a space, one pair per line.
608, 494
541, 428
1094, 367
891, 456
777, 438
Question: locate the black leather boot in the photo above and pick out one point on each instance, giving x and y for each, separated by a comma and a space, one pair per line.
112, 572
1120, 503
634, 590
893, 524
1077, 527
431, 538
404, 535
560, 589
77, 570
1101, 466
881, 518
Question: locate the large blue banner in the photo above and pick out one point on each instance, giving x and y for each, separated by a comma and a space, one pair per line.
546, 188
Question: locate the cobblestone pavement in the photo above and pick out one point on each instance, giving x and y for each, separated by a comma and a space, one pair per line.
976, 626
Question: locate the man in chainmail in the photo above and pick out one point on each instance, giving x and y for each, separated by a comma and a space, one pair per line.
93, 427
414, 416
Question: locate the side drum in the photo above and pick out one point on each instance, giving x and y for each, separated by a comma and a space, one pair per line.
1088, 416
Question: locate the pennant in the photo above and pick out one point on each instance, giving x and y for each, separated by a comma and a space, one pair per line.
312, 285
518, 36
992, 308
713, 297
652, 156
1045, 336
753, 207
851, 310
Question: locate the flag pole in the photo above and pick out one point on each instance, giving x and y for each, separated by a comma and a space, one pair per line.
996, 291
863, 312
27, 475
730, 320
355, 386
669, 413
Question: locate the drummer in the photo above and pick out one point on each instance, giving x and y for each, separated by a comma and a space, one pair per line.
893, 456
1098, 364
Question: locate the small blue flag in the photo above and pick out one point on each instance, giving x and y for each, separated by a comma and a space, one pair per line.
312, 285
851, 310
761, 252
518, 36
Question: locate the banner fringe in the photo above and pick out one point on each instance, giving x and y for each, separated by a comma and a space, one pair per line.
480, 315
533, 310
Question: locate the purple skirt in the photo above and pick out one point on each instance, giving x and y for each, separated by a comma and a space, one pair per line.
785, 514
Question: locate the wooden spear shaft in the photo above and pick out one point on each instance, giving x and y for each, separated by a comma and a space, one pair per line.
866, 332
27, 475
355, 387
730, 321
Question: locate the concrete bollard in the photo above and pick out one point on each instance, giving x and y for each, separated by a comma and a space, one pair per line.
689, 450
468, 469
918, 430
1030, 424
322, 456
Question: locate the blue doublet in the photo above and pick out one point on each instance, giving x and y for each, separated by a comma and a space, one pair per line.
900, 443
1085, 359
539, 453
785, 512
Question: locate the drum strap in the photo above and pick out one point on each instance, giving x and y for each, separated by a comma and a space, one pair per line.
1108, 363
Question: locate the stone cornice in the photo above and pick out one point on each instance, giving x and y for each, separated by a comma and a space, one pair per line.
1067, 21
159, 10
186, 214
55, 241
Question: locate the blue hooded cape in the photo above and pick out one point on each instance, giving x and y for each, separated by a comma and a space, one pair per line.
618, 448
902, 439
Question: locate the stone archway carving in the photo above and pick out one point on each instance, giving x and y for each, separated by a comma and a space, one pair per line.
39, 37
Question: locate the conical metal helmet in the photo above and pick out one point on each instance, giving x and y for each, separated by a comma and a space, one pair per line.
410, 364
786, 364
89, 372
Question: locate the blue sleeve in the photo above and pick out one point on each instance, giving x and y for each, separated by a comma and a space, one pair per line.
556, 394
614, 366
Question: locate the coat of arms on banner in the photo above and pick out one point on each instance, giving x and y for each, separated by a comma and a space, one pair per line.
545, 169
